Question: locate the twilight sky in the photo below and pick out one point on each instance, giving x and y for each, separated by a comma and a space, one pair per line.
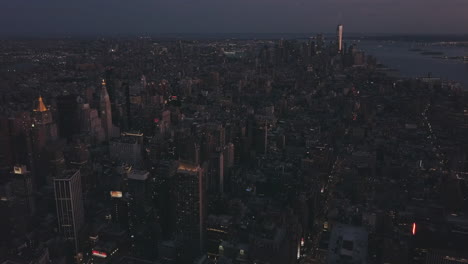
37, 17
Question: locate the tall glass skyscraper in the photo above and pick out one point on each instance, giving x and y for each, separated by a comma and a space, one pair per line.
69, 203
339, 36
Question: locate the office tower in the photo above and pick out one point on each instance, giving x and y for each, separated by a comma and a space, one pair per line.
311, 47
229, 156
68, 116
141, 218
320, 41
218, 229
6, 152
15, 140
41, 114
128, 109
77, 156
44, 129
17, 195
91, 123
261, 139
339, 36
106, 113
22, 186
188, 150
109, 76
127, 148
207, 146
119, 210
189, 192
69, 203
136, 185
54, 161
43, 132
216, 173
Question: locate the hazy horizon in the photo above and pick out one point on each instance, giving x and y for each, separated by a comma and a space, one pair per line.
123, 17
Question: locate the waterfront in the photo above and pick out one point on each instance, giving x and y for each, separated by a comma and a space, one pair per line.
397, 55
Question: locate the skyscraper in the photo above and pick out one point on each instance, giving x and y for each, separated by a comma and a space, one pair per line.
69, 203
41, 113
319, 42
22, 186
43, 132
44, 128
216, 172
106, 113
68, 116
261, 139
190, 206
339, 36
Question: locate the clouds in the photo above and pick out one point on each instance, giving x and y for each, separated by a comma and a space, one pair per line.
225, 16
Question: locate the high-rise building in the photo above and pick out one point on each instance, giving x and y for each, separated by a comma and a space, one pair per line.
140, 213
127, 148
43, 132
189, 191
216, 173
41, 114
119, 210
44, 129
106, 112
320, 41
229, 156
91, 123
15, 139
23, 188
68, 116
261, 139
218, 229
339, 36
69, 203
6, 152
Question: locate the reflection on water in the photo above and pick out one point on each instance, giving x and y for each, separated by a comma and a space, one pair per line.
397, 55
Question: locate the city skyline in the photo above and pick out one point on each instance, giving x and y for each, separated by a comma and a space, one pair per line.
123, 143
50, 17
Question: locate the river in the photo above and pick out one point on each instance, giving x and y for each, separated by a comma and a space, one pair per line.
397, 55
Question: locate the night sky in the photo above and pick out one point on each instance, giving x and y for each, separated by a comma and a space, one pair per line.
41, 17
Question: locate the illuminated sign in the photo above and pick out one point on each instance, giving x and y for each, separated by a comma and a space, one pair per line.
99, 254
302, 242
116, 194
414, 229
156, 120
18, 170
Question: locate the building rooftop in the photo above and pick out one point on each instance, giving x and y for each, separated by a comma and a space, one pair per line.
187, 168
67, 174
139, 175
348, 244
132, 260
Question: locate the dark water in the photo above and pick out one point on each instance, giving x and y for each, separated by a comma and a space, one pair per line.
397, 55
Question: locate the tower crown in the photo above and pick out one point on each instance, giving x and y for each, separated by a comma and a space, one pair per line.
40, 107
104, 93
